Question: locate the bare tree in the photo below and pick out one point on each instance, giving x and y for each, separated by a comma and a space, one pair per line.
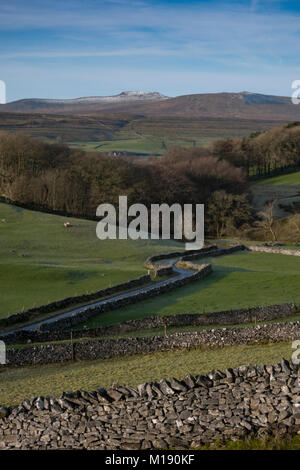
268, 219
297, 227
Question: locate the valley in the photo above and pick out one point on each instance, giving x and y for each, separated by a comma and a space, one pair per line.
128, 133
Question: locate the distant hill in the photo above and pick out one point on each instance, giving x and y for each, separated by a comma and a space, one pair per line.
244, 105
84, 104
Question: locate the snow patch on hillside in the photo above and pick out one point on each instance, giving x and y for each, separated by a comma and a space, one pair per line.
125, 96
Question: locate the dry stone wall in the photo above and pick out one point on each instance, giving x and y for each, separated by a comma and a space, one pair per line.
227, 317
69, 301
176, 414
107, 348
151, 262
236, 316
180, 414
113, 304
213, 252
274, 250
164, 271
160, 270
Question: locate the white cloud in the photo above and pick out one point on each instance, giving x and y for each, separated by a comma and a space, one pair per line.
236, 43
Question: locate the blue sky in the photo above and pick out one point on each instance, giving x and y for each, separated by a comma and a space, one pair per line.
65, 49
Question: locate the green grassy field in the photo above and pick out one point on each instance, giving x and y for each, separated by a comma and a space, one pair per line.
284, 189
270, 443
145, 145
238, 281
290, 178
53, 379
42, 261
137, 145
131, 133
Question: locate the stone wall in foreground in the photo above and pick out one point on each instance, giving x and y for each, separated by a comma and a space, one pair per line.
177, 414
107, 348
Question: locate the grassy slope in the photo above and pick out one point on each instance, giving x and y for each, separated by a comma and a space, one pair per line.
53, 379
153, 135
41, 260
129, 133
239, 280
144, 145
291, 178
135, 145
285, 189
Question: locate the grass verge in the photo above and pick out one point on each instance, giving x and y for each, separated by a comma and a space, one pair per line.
268, 443
53, 379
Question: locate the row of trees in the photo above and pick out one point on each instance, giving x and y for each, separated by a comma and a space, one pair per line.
263, 153
57, 178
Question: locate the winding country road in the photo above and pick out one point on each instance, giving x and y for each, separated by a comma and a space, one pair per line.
181, 274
